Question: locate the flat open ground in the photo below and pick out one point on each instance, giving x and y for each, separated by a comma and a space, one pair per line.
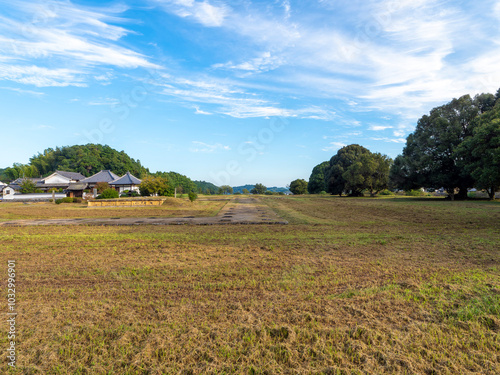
172, 207
231, 210
349, 286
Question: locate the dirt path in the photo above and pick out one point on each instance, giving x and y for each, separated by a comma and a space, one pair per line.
240, 210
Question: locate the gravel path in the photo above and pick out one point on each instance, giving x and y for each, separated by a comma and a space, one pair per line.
241, 210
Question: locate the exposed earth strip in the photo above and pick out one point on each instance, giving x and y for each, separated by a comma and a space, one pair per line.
241, 210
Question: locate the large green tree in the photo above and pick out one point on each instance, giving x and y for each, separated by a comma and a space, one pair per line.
370, 171
298, 186
354, 169
258, 189
479, 154
153, 185
339, 163
317, 179
27, 186
429, 158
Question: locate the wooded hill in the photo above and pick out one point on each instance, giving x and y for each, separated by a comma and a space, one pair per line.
91, 158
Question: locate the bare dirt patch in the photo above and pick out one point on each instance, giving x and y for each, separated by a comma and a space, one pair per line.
244, 210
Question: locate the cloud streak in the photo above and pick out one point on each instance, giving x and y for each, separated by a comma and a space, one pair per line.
63, 44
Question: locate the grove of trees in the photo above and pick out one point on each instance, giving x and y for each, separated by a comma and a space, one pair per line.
85, 159
455, 147
351, 171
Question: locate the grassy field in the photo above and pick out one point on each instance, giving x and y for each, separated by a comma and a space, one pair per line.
171, 208
350, 286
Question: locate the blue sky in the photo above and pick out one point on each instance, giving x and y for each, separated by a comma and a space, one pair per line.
236, 92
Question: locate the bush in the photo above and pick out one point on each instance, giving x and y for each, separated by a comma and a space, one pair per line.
65, 200
129, 193
386, 192
108, 194
414, 193
323, 193
101, 186
192, 196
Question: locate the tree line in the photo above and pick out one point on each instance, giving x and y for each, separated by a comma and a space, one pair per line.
455, 147
91, 158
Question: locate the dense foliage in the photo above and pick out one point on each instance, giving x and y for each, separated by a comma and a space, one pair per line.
205, 187
19, 170
298, 186
85, 159
177, 181
258, 189
108, 194
225, 189
101, 186
27, 186
355, 169
454, 147
317, 179
153, 185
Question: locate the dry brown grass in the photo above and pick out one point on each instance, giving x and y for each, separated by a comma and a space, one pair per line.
352, 286
172, 207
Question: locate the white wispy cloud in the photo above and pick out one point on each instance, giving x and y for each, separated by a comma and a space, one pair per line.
52, 43
208, 148
334, 146
401, 59
204, 12
262, 63
391, 140
22, 91
40, 76
379, 127
104, 101
198, 111
229, 99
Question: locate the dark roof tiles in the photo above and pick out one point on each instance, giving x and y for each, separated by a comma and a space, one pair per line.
126, 179
102, 176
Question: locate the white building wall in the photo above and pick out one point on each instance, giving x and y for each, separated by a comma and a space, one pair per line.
56, 179
31, 197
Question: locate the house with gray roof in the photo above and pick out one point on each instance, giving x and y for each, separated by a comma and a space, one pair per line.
63, 175
126, 182
102, 176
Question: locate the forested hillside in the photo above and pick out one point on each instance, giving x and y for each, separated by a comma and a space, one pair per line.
205, 187
90, 159
85, 159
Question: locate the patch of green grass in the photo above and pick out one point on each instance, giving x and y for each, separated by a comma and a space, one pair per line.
399, 286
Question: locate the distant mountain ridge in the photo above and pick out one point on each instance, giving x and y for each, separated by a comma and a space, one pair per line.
239, 189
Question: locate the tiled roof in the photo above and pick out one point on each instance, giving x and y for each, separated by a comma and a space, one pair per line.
126, 179
77, 186
72, 175
102, 176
